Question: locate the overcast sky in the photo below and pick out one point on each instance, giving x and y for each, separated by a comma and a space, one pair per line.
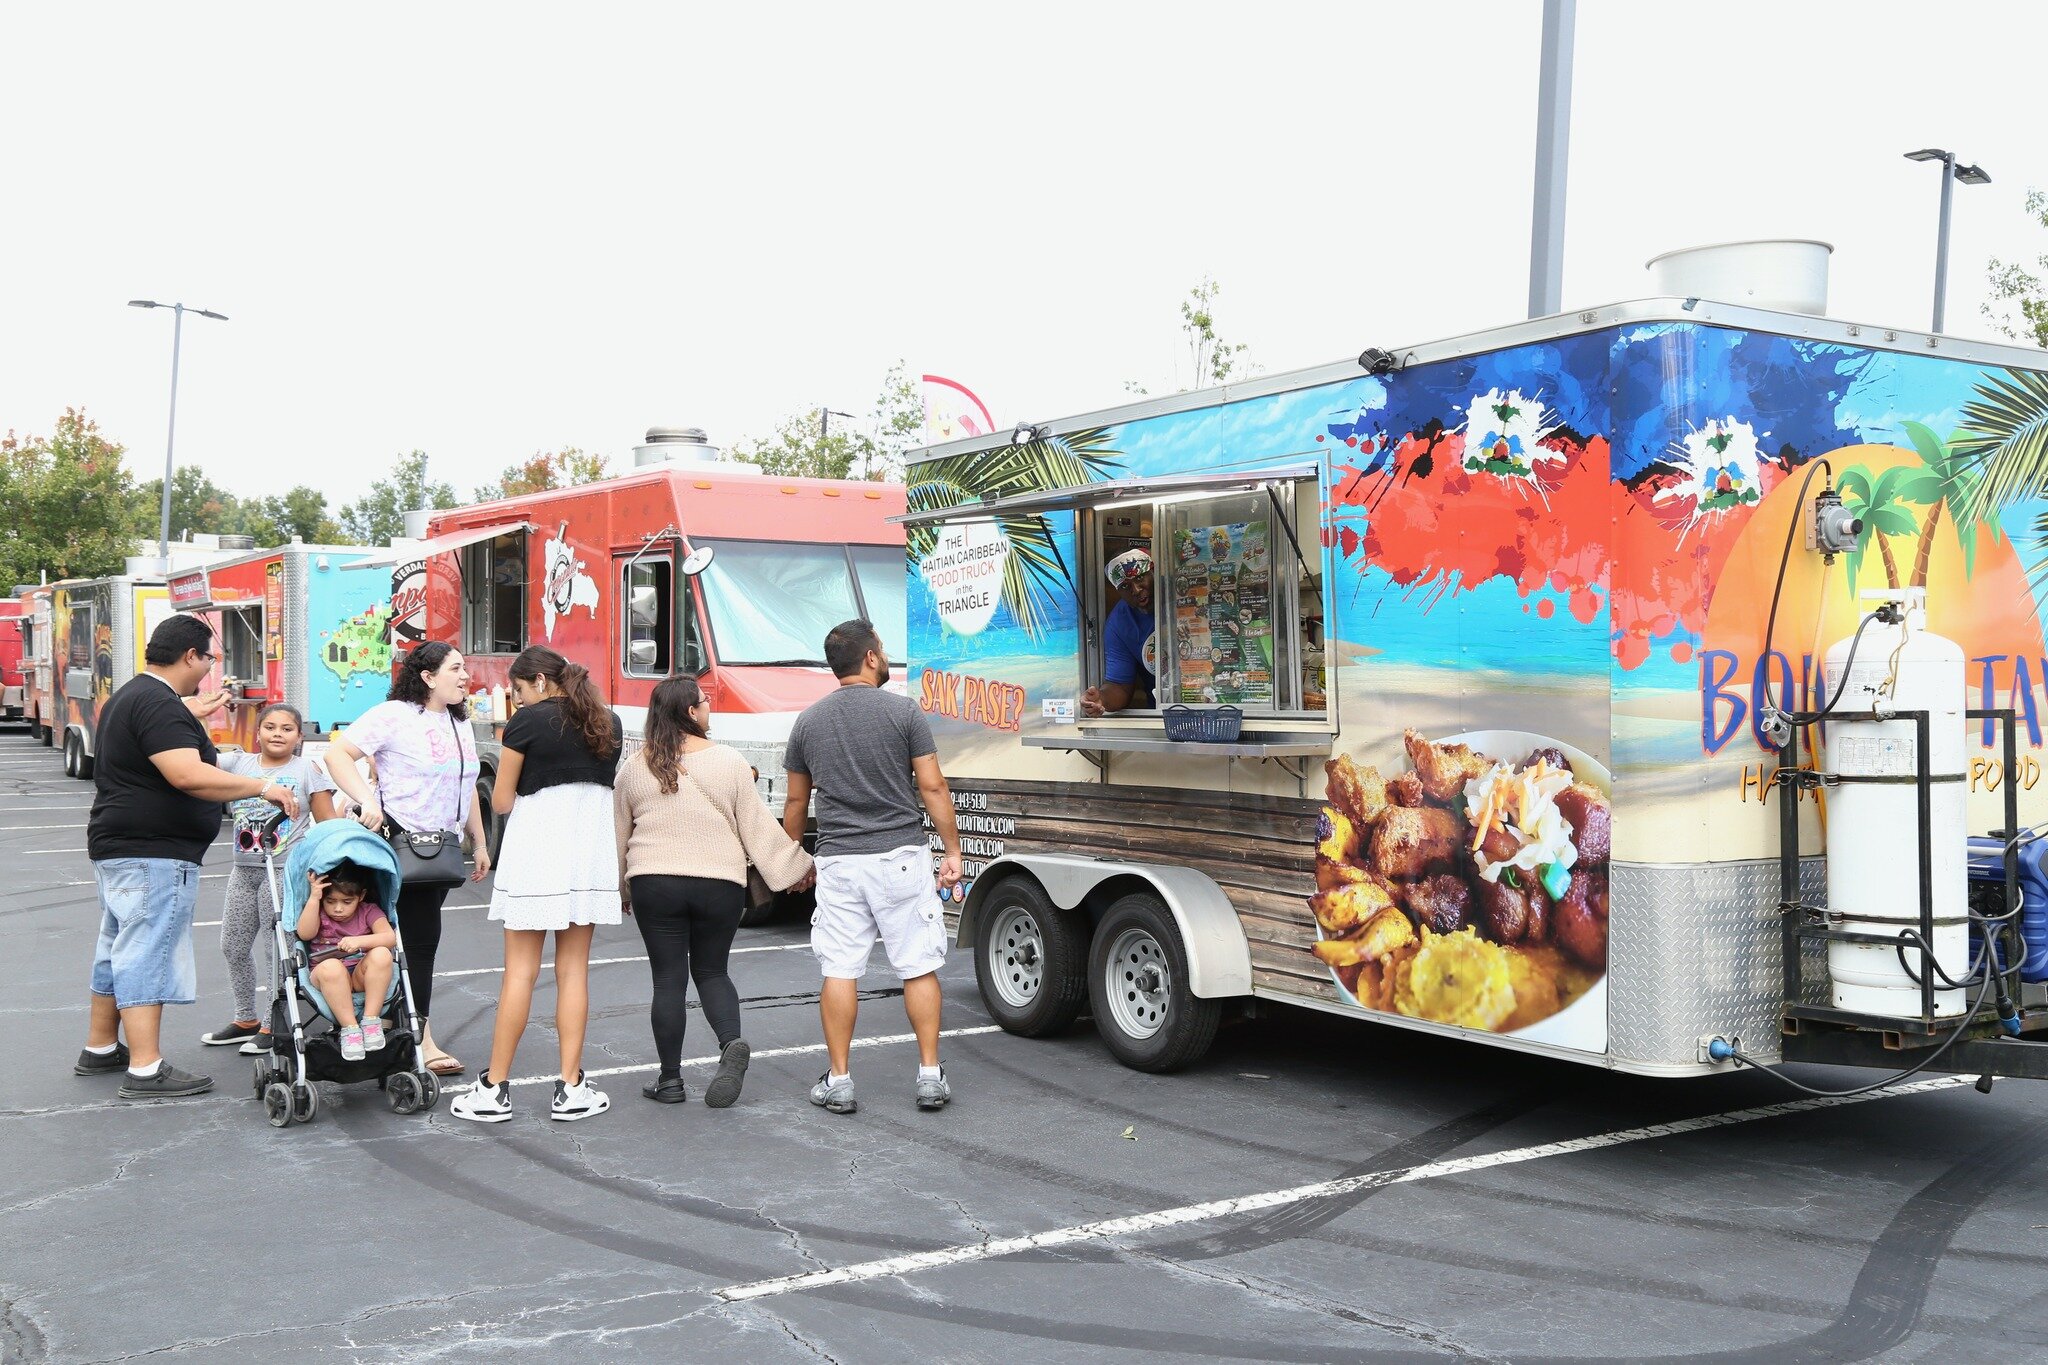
487, 230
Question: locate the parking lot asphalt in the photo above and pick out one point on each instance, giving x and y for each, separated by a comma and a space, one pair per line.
1317, 1189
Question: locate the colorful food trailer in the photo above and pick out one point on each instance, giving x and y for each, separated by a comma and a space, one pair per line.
1485, 683
293, 628
38, 691
99, 628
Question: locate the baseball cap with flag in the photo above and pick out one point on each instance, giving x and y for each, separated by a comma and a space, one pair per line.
1128, 567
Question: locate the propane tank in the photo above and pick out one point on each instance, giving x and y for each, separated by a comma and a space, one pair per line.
1874, 811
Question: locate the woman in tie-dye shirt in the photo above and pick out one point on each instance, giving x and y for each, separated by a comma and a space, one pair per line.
426, 780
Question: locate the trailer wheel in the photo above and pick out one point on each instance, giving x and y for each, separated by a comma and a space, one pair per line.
494, 824
70, 755
1030, 959
1138, 989
47, 735
84, 761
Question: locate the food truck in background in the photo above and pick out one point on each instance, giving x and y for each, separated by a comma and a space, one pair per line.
99, 628
690, 562
292, 627
38, 705
1489, 711
14, 619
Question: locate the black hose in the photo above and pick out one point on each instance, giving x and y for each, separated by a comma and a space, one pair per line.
1785, 562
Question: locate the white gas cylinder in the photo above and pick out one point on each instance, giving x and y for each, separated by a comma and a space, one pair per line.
1873, 815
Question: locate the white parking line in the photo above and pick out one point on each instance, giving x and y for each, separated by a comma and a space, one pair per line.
762, 1053
607, 961
53, 886
1248, 1203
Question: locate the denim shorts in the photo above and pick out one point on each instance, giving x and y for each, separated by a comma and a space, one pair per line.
144, 956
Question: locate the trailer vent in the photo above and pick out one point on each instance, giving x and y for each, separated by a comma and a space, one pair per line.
685, 446
1789, 276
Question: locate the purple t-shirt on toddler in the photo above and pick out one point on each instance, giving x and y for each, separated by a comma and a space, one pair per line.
333, 931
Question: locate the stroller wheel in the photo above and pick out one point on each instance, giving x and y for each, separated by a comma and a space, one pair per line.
430, 1089
305, 1102
277, 1104
262, 1070
404, 1089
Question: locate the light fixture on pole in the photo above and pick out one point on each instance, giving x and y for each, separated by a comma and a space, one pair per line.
163, 540
1950, 173
825, 416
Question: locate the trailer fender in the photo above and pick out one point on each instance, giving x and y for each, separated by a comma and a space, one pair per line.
1219, 955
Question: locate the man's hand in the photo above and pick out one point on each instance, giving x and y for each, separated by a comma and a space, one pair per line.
949, 872
281, 796
1091, 702
206, 703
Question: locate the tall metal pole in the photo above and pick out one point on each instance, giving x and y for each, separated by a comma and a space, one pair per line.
1948, 184
163, 539
1553, 144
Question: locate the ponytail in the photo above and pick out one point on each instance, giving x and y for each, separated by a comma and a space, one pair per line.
582, 703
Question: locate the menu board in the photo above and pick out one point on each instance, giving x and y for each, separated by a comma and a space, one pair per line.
1223, 613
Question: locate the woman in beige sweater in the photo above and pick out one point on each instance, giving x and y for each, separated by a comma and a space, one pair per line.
689, 821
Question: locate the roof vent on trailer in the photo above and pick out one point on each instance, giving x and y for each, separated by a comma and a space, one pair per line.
1787, 275
685, 446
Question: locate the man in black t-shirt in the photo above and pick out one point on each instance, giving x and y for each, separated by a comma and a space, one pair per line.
157, 806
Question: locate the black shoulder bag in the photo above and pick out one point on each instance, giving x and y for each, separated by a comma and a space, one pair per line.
432, 858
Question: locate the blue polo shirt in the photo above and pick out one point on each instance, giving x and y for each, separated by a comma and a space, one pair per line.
1123, 646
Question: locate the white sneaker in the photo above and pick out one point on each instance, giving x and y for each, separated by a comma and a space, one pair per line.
484, 1102
579, 1101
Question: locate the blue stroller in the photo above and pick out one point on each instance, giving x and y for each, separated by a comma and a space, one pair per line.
303, 1038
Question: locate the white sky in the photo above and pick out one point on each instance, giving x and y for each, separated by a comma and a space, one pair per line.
486, 230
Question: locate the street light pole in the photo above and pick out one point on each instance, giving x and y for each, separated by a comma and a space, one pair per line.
1950, 173
178, 310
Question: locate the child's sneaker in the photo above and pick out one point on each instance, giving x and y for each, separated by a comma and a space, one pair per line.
352, 1044
373, 1035
484, 1102
579, 1101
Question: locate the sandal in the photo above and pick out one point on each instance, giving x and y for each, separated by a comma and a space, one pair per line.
437, 1061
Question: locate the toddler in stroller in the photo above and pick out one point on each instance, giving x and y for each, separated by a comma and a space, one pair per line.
345, 1008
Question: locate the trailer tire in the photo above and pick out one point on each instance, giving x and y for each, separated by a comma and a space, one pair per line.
494, 823
1138, 989
46, 735
1030, 959
84, 761
70, 755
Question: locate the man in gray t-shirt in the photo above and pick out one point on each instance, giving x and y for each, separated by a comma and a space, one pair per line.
868, 756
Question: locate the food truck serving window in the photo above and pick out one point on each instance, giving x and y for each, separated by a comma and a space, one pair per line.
771, 602
241, 645
494, 595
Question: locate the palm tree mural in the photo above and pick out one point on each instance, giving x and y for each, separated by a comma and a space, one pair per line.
2004, 441
1880, 504
1036, 569
1952, 481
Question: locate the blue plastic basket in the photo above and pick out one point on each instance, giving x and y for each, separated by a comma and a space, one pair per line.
1212, 725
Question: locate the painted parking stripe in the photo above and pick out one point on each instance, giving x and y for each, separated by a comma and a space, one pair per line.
1250, 1203
608, 961
763, 1053
53, 886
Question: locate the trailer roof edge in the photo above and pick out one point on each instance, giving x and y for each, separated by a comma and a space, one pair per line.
1869, 336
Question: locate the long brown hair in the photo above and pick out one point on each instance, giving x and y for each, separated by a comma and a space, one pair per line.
582, 703
669, 722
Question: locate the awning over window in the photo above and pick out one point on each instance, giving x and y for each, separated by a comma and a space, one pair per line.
439, 545
1144, 488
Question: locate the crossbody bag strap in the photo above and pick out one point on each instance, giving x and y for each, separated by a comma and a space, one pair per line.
461, 770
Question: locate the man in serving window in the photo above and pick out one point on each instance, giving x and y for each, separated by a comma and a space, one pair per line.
1130, 659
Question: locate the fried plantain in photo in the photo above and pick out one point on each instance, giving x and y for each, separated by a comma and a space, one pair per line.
1533, 973
1410, 842
1360, 793
1336, 836
1457, 979
1443, 769
1351, 906
1387, 934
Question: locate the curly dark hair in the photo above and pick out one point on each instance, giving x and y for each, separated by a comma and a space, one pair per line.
410, 683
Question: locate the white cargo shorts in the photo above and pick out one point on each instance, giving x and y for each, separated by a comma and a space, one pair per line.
891, 896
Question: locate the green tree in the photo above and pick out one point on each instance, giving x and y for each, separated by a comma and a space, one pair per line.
1880, 504
378, 517
546, 469
198, 504
302, 512
67, 502
1213, 357
805, 445
2018, 306
1953, 488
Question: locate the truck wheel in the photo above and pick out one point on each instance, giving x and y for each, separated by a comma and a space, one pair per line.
1138, 989
1030, 959
47, 735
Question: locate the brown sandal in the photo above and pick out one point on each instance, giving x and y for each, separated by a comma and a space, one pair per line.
444, 1065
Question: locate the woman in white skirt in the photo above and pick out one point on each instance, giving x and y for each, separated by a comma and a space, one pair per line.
558, 871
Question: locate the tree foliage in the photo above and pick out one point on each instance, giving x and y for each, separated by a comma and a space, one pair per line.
200, 506
66, 498
546, 469
1211, 359
806, 445
2018, 306
378, 517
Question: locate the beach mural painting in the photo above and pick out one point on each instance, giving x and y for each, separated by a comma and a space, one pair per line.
1544, 571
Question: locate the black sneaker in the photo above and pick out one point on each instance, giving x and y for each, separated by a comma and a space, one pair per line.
169, 1083
102, 1064
234, 1033
732, 1072
670, 1091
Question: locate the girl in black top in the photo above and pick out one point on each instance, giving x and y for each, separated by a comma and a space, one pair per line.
558, 871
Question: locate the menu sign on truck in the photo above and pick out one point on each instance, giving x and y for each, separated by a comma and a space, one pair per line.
1223, 613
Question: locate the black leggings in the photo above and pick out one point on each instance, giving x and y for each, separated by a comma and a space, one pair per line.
419, 920
688, 924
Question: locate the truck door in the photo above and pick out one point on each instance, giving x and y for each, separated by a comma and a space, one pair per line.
657, 630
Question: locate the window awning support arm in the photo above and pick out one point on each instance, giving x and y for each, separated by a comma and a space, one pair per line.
1286, 523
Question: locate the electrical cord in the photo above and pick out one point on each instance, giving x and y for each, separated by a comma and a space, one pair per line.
1785, 562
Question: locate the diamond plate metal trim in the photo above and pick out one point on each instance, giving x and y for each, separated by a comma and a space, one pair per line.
1694, 949
299, 644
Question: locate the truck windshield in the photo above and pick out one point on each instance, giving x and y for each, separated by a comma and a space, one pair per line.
771, 602
884, 588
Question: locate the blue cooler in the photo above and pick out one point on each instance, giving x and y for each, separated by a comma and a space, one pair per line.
1987, 895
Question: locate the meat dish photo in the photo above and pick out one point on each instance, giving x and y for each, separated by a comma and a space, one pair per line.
1470, 890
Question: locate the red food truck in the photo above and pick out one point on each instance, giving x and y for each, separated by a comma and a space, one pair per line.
14, 611
690, 562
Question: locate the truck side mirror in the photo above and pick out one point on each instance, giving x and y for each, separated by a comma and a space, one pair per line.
697, 561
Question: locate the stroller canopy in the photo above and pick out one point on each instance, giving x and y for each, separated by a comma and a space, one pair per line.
331, 843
